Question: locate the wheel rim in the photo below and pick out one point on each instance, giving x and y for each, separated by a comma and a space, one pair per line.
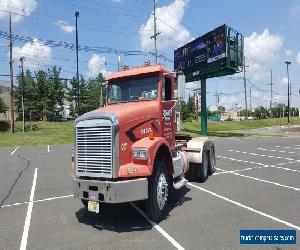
162, 191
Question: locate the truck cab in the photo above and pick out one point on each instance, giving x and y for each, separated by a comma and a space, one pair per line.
129, 150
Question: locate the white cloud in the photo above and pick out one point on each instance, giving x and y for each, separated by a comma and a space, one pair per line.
97, 65
169, 24
230, 100
256, 71
65, 26
260, 51
298, 58
262, 47
257, 99
35, 53
284, 80
22, 7
288, 53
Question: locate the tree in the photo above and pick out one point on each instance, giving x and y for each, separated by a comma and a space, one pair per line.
246, 112
184, 111
55, 97
43, 96
3, 106
89, 94
261, 113
94, 89
25, 89
221, 109
42, 93
191, 105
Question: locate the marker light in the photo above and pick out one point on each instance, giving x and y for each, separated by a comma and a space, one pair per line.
151, 135
140, 153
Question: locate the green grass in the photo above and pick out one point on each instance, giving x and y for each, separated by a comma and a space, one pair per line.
234, 128
47, 133
50, 133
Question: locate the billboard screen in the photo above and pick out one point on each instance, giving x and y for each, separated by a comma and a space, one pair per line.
202, 52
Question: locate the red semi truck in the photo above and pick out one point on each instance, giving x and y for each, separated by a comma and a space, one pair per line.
129, 150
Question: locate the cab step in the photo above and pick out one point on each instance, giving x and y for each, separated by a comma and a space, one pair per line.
180, 183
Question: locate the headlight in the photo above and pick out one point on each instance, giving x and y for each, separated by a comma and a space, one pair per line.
140, 153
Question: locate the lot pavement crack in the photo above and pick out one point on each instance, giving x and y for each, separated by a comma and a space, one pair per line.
16, 180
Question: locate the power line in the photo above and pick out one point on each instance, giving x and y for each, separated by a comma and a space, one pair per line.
82, 48
76, 6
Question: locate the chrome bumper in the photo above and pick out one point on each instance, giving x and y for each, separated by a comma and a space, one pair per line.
111, 191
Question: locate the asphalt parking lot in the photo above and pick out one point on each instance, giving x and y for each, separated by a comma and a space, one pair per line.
256, 186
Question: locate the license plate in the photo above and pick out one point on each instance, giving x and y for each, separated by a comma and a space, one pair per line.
93, 206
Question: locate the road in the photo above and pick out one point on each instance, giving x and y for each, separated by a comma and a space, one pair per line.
256, 186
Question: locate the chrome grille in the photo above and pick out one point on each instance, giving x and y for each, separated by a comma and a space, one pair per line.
94, 148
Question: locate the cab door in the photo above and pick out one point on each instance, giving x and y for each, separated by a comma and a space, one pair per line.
168, 110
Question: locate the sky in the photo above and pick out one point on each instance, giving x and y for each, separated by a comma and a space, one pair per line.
108, 28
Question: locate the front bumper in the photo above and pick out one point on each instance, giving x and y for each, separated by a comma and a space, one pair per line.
111, 191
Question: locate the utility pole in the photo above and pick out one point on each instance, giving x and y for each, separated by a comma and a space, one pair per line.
250, 100
12, 112
23, 109
245, 87
271, 83
77, 72
155, 34
288, 76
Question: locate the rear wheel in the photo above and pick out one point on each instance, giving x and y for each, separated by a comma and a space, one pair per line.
202, 169
212, 161
159, 188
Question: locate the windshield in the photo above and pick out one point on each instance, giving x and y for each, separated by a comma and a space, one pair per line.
133, 90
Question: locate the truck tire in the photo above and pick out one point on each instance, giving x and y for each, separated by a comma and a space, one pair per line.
158, 192
191, 173
201, 170
212, 161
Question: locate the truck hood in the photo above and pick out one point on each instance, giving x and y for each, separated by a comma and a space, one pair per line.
133, 112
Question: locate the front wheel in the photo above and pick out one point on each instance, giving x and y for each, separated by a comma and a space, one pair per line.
159, 188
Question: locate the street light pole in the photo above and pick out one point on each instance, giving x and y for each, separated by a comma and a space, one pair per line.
288, 76
77, 72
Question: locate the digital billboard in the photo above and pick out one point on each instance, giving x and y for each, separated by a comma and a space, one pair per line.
207, 56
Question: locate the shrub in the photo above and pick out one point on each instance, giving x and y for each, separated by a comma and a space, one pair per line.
4, 126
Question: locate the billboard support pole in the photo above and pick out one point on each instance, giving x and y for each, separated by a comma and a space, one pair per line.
203, 108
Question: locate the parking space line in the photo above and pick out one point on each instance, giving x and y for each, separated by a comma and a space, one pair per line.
238, 170
287, 169
257, 163
287, 147
28, 215
244, 161
246, 207
247, 169
266, 181
279, 151
285, 163
48, 149
46, 199
14, 150
269, 156
158, 228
